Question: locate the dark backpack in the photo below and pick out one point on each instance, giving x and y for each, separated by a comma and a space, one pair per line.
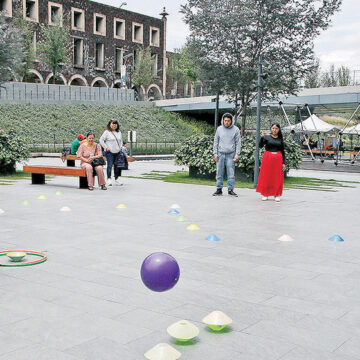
66, 151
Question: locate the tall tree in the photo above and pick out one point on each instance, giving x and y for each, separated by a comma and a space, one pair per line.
27, 30
182, 67
55, 47
143, 68
11, 50
313, 78
229, 36
343, 76
329, 77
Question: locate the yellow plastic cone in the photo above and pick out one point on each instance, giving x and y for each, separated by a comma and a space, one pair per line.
121, 206
192, 227
42, 197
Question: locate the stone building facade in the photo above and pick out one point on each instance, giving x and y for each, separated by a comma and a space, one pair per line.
104, 40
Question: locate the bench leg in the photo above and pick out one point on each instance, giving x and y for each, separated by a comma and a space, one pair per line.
70, 163
37, 179
83, 183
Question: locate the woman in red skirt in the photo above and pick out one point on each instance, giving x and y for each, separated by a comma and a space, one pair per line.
271, 177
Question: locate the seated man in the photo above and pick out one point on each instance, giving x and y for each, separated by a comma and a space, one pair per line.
76, 143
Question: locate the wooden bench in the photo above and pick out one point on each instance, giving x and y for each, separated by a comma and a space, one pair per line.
38, 173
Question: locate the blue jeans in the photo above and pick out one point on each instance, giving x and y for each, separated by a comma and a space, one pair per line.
228, 161
111, 158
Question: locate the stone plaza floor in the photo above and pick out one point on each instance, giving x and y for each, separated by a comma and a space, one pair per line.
288, 300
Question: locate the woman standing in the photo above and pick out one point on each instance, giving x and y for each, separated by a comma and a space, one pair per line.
87, 152
111, 141
271, 177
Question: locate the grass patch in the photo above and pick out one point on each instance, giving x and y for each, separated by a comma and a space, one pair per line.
299, 183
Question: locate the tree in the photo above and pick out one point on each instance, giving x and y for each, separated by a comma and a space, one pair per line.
329, 77
143, 68
313, 78
55, 47
11, 50
27, 33
228, 37
182, 67
343, 76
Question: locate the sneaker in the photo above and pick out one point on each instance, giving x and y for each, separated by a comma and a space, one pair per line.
91, 188
264, 198
109, 183
103, 187
118, 183
231, 193
218, 192
277, 198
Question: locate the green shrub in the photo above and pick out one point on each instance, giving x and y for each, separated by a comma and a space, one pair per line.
197, 152
13, 148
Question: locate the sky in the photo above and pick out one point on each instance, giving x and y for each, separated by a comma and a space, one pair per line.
339, 45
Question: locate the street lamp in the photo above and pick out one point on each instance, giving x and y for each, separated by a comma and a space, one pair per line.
122, 4
260, 85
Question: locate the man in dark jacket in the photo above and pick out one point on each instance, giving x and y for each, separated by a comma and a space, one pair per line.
227, 145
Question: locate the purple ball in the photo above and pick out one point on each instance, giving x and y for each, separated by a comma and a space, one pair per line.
160, 272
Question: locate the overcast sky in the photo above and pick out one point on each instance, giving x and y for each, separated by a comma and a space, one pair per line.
340, 45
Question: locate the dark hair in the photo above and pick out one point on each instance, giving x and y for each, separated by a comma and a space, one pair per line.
280, 135
89, 133
228, 115
112, 121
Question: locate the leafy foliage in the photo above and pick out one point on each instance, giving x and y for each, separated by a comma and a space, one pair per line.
198, 152
55, 46
26, 29
227, 38
12, 148
143, 74
41, 124
11, 50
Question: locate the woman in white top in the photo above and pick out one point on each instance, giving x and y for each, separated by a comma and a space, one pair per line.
111, 141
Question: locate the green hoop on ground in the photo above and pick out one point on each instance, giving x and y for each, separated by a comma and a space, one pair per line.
43, 257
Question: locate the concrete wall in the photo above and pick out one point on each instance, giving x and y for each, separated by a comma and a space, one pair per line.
25, 93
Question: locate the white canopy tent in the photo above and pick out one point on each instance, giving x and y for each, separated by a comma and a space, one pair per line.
312, 124
354, 130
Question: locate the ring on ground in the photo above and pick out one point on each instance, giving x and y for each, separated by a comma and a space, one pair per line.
43, 257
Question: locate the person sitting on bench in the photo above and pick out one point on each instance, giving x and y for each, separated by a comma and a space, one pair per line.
76, 143
87, 152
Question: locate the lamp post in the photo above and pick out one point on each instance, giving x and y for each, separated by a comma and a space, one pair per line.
261, 76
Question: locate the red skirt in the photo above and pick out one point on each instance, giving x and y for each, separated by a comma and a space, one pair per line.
271, 177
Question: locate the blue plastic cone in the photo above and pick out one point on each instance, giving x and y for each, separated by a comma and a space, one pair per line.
337, 238
212, 237
173, 212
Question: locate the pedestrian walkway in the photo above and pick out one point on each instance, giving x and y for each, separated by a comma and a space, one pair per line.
288, 300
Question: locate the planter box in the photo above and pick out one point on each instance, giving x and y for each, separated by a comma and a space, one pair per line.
239, 175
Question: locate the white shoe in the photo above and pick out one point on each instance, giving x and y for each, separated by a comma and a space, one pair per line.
109, 183
118, 183
277, 198
264, 198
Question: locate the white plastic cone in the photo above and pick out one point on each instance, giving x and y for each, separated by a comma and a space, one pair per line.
286, 238
175, 206
183, 330
2, 211
217, 320
65, 208
162, 351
